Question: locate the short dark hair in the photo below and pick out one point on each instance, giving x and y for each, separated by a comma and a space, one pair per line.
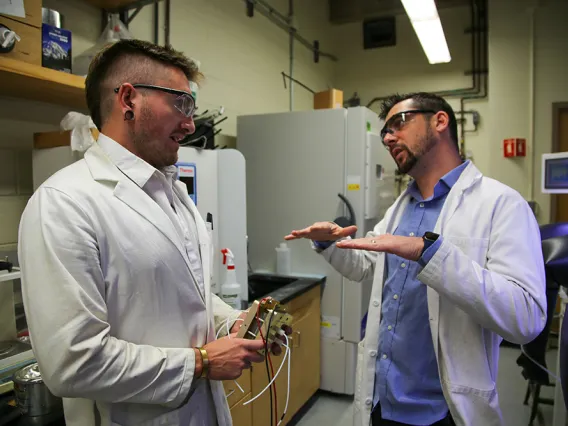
132, 61
423, 100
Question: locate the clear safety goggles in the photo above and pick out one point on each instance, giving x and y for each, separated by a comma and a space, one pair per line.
399, 120
183, 102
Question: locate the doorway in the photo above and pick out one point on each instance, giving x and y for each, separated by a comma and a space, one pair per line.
559, 206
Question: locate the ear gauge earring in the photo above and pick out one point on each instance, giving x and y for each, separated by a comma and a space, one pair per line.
129, 115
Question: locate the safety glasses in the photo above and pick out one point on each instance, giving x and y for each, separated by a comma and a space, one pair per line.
183, 102
399, 120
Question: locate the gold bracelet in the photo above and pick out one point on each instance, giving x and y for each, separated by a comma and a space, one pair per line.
205, 362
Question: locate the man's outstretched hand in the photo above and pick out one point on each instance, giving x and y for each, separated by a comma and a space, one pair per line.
322, 231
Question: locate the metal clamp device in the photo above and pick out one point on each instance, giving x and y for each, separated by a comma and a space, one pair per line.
270, 315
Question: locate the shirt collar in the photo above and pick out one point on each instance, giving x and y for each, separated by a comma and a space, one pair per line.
135, 168
443, 186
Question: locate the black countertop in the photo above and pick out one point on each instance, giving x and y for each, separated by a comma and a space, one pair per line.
290, 291
10, 416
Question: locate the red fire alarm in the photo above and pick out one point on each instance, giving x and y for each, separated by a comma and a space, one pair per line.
521, 147
514, 147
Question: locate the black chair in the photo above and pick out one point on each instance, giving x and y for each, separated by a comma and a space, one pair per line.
555, 253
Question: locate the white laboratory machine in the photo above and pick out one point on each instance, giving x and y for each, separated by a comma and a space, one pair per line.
216, 183
14, 353
300, 166
554, 180
555, 173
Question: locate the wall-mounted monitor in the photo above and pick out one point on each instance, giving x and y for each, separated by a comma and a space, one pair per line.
555, 173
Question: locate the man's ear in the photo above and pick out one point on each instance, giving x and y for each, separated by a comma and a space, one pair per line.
442, 121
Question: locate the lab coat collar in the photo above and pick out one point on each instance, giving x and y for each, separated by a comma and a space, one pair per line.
138, 170
103, 169
468, 178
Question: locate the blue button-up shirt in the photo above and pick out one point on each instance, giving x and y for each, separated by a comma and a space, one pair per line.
407, 382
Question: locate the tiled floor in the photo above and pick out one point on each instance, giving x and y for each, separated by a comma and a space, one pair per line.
332, 410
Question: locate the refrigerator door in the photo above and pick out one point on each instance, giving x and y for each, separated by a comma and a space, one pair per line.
295, 167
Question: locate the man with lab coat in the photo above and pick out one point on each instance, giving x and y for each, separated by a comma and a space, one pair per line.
456, 265
116, 261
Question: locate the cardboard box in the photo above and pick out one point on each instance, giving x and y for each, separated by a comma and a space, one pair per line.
54, 139
28, 49
33, 13
56, 48
331, 98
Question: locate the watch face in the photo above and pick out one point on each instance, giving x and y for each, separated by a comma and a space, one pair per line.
431, 236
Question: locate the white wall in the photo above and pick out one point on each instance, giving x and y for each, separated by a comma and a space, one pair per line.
404, 68
551, 82
241, 57
508, 110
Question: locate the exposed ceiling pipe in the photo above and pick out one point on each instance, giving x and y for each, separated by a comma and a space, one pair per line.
282, 21
156, 22
167, 23
475, 63
292, 31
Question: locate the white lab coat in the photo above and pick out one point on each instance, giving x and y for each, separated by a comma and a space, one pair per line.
485, 281
112, 304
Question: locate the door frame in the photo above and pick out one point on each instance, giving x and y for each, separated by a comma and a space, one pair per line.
557, 107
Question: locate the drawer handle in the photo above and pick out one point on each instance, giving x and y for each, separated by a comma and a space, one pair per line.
230, 393
296, 341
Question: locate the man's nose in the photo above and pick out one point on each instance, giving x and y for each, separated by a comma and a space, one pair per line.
188, 126
389, 139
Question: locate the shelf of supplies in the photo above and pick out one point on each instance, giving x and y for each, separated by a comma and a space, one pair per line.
113, 5
22, 80
9, 276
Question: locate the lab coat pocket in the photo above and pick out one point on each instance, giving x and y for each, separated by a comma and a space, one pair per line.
171, 418
474, 407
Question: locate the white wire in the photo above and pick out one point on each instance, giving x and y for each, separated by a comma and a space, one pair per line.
539, 365
288, 389
230, 319
286, 354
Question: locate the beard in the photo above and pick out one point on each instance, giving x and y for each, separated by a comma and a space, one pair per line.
149, 147
426, 143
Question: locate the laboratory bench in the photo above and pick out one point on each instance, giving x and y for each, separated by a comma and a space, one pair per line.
301, 298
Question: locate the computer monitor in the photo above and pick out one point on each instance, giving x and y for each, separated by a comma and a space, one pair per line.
555, 173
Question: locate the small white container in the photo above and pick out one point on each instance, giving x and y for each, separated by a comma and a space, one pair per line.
283, 261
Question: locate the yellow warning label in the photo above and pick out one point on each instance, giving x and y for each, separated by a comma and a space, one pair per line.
326, 324
353, 187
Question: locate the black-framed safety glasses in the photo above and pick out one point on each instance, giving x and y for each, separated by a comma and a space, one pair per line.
399, 120
183, 102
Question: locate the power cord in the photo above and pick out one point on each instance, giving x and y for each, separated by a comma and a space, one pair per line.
542, 367
287, 346
287, 358
265, 358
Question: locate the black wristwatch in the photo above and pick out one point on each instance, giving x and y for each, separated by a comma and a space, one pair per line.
429, 238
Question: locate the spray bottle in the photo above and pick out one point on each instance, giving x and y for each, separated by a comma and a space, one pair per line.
230, 290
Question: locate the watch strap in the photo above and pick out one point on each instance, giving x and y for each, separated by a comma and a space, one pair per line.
429, 238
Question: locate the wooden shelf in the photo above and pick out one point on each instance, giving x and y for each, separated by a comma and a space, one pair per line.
23, 80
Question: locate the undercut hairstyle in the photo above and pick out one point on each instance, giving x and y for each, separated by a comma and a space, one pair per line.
130, 61
423, 100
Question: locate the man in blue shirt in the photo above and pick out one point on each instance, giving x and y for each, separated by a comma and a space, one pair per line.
421, 134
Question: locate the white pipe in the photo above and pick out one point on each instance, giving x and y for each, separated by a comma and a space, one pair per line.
531, 117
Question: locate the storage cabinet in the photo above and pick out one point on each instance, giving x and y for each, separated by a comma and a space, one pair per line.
305, 362
242, 414
233, 393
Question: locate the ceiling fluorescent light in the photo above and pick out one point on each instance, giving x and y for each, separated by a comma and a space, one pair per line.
426, 22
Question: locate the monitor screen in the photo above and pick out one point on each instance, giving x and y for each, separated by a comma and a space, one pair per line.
555, 173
